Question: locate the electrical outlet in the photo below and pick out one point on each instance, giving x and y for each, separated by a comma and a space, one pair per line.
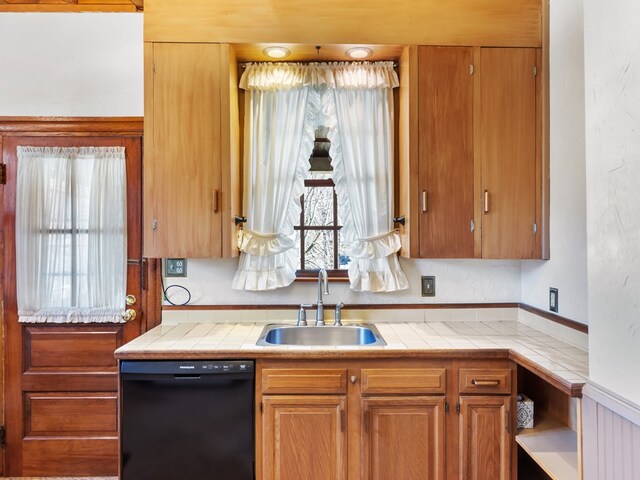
428, 286
553, 299
175, 267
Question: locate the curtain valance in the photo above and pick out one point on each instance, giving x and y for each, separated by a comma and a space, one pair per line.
347, 75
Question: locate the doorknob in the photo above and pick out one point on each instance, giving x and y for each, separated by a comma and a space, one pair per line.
129, 315
131, 300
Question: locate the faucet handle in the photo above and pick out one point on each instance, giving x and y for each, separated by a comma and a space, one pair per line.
302, 314
338, 317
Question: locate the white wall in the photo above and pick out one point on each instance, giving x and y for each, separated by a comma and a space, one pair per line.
612, 93
62, 64
457, 281
567, 268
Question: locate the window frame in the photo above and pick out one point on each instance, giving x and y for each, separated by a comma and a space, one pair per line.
333, 274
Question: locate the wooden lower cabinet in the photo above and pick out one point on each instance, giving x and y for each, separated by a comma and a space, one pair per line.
304, 437
375, 419
403, 438
485, 441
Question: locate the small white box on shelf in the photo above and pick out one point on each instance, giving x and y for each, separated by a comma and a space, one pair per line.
525, 412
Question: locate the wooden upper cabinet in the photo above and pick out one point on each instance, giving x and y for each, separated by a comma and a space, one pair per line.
445, 125
485, 439
507, 150
304, 437
472, 176
403, 438
190, 150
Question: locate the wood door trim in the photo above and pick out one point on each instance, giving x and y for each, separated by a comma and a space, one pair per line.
71, 126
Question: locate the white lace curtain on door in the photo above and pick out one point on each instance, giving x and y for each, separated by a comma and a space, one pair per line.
285, 102
71, 234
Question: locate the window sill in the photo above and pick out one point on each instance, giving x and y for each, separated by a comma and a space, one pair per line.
339, 276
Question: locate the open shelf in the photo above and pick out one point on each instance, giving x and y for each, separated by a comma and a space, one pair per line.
552, 445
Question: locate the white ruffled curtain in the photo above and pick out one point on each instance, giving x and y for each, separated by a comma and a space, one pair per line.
360, 121
71, 236
357, 104
279, 133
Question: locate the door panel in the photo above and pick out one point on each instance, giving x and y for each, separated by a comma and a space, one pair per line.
446, 152
508, 152
403, 438
61, 384
304, 437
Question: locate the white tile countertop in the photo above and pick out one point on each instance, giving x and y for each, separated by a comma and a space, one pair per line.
562, 363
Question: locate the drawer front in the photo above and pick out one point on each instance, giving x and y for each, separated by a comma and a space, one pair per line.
298, 380
403, 380
485, 380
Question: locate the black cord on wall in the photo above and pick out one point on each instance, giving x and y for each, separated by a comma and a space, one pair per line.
166, 298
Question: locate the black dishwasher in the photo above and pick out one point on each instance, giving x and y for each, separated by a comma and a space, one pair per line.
187, 420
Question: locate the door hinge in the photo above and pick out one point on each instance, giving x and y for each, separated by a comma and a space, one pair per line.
154, 225
261, 407
535, 228
471, 69
144, 274
446, 407
535, 71
3, 173
3, 436
154, 67
342, 422
473, 226
457, 407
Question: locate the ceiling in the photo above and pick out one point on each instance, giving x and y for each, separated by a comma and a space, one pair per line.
71, 5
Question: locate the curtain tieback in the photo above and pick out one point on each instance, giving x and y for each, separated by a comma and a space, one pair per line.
264, 244
377, 246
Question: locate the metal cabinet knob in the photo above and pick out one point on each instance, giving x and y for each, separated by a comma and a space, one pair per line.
130, 299
353, 379
129, 315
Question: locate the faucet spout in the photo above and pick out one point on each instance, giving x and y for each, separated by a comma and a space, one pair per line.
322, 278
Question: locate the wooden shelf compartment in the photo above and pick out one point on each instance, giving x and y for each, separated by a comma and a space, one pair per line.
552, 445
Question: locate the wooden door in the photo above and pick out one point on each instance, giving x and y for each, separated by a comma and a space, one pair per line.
304, 437
508, 152
61, 380
403, 438
446, 168
485, 440
182, 170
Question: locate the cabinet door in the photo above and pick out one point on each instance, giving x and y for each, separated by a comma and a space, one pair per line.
403, 438
508, 152
485, 438
304, 437
182, 168
446, 168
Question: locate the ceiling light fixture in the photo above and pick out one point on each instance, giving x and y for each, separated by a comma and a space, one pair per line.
276, 52
359, 52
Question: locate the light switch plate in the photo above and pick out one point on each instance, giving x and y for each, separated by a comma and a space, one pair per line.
553, 299
428, 286
175, 267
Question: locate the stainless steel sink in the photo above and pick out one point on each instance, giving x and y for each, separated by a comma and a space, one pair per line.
361, 334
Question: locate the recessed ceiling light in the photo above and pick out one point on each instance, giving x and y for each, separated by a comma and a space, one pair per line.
359, 52
276, 52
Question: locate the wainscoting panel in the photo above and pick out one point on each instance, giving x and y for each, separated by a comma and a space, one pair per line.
611, 435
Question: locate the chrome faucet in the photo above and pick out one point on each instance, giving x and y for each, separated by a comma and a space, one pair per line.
322, 276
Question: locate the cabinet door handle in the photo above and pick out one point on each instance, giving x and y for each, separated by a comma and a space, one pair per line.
353, 379
485, 383
486, 201
424, 201
216, 195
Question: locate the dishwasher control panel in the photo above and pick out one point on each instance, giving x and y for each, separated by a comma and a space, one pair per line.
195, 367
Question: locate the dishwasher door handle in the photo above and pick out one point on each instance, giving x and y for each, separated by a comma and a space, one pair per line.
186, 377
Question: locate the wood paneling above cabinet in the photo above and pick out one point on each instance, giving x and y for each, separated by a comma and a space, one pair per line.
410, 22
